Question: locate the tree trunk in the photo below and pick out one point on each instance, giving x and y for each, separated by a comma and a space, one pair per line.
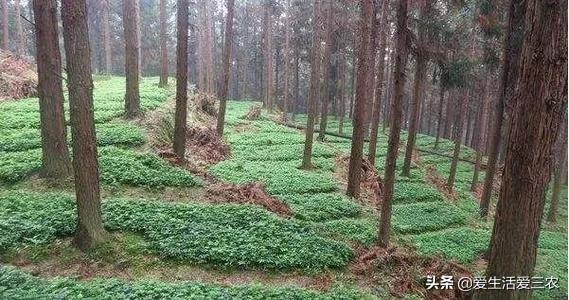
5, 28
163, 46
296, 81
286, 62
20, 30
395, 127
376, 113
512, 51
559, 169
342, 93
90, 231
365, 52
268, 57
480, 123
181, 79
314, 85
55, 153
132, 97
458, 127
107, 37
540, 99
327, 71
420, 74
226, 66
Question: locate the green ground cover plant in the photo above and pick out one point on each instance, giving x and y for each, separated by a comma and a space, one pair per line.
463, 244
20, 285
321, 207
278, 152
124, 166
15, 166
360, 230
411, 192
426, 216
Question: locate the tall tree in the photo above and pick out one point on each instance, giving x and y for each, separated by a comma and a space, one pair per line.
19, 30
365, 52
395, 127
481, 123
509, 76
379, 84
458, 128
163, 45
328, 70
107, 37
560, 168
5, 27
181, 79
286, 62
268, 54
132, 97
90, 231
540, 101
55, 153
418, 89
226, 66
314, 93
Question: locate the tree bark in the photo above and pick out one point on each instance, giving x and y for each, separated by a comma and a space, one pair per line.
395, 127
268, 57
107, 37
55, 153
20, 30
540, 101
365, 52
132, 97
327, 71
559, 169
5, 28
163, 46
481, 123
376, 113
90, 231
226, 66
420, 74
314, 92
286, 62
458, 128
181, 79
511, 55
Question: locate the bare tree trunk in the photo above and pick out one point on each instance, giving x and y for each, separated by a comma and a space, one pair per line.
559, 169
365, 52
296, 81
163, 46
55, 153
342, 92
20, 30
226, 66
286, 62
481, 123
420, 74
327, 71
268, 57
132, 97
314, 85
376, 113
5, 28
512, 50
458, 127
440, 115
181, 79
90, 231
395, 127
540, 102
107, 37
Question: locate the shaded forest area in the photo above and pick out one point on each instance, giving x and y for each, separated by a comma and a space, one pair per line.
288, 149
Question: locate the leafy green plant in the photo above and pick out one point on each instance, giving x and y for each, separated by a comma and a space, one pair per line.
462, 244
15, 166
141, 169
411, 192
426, 216
321, 207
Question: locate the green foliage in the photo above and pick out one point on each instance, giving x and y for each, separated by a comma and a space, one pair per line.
321, 207
456, 74
362, 230
228, 235
141, 169
278, 152
427, 216
19, 285
265, 138
279, 178
15, 166
463, 244
552, 263
116, 133
552, 240
411, 192
33, 218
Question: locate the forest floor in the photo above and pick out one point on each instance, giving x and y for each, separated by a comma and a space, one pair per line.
202, 229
